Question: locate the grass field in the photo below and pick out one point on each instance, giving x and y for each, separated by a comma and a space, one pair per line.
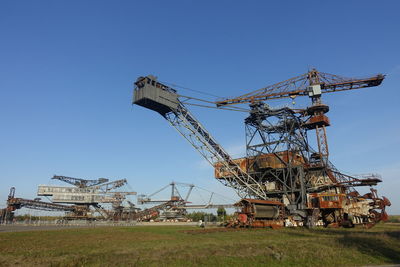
172, 245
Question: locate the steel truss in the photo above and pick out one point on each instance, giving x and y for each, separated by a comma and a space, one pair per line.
282, 134
192, 130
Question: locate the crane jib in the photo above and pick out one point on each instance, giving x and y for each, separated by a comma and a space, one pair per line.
299, 86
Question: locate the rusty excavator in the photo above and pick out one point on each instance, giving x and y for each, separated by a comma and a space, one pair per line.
282, 181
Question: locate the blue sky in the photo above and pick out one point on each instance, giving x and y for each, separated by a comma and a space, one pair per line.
67, 69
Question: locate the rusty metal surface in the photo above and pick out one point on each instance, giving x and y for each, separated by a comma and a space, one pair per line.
298, 86
265, 161
259, 201
317, 121
304, 188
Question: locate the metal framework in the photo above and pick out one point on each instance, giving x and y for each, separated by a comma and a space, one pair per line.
175, 194
300, 86
86, 194
164, 100
206, 145
281, 166
175, 207
81, 183
14, 203
276, 147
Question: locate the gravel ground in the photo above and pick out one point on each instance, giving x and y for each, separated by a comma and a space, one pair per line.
19, 228
44, 227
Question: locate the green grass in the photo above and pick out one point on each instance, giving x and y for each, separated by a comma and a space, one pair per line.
172, 246
394, 218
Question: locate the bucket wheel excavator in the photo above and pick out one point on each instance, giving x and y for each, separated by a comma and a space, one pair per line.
282, 181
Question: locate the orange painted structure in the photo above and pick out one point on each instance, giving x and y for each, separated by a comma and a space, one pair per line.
265, 161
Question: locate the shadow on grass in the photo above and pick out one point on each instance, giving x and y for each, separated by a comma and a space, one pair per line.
373, 247
393, 234
367, 242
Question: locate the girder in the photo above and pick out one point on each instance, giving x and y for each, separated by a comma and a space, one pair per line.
79, 182
300, 86
207, 146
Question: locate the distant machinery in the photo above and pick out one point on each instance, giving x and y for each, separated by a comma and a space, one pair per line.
83, 201
78, 182
174, 208
175, 194
14, 203
167, 209
282, 180
86, 194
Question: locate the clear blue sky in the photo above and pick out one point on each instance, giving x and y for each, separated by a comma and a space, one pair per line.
67, 69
